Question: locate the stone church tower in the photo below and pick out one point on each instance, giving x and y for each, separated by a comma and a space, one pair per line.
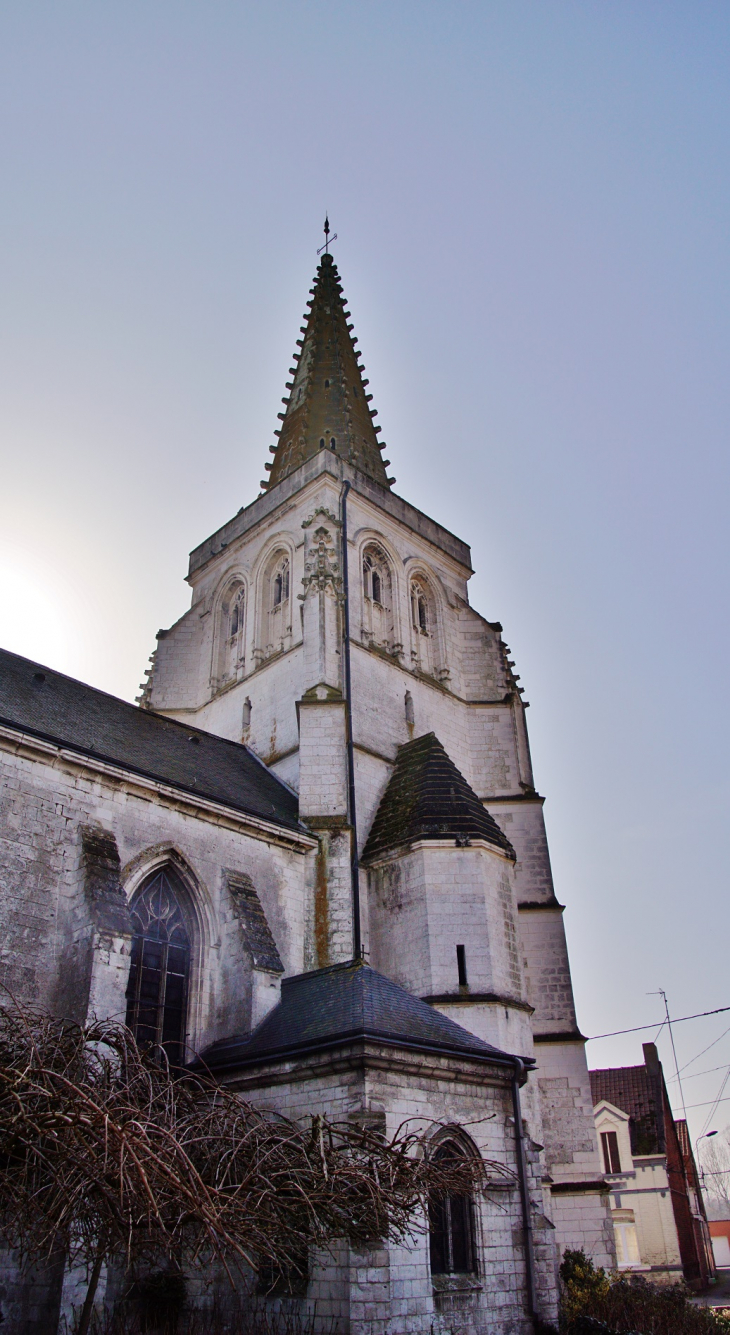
325, 811
330, 630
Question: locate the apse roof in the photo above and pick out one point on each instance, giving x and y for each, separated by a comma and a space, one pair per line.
328, 405
37, 700
428, 798
344, 1003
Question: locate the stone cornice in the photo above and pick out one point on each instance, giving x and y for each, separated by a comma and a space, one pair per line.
328, 465
370, 1055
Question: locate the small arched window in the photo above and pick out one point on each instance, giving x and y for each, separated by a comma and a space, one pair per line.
276, 605
159, 975
231, 643
419, 608
378, 599
451, 1225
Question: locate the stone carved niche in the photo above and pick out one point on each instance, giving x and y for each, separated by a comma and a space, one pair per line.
321, 567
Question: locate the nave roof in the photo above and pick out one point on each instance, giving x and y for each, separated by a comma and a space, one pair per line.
35, 699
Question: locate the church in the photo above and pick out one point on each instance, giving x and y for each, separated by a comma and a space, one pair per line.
314, 854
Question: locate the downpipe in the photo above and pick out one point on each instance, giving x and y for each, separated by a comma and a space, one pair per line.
352, 812
518, 1078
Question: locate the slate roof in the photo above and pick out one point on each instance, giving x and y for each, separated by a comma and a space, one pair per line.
37, 700
635, 1091
341, 1004
327, 406
427, 798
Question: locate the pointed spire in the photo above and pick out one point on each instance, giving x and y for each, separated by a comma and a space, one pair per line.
328, 405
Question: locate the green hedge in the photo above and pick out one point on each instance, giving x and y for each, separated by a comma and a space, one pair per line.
593, 1301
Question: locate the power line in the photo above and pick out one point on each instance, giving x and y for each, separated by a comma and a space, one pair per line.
659, 1024
708, 1102
711, 1113
713, 1044
696, 1074
663, 996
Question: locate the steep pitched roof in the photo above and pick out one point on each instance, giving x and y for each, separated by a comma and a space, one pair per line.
341, 1004
328, 404
37, 700
634, 1090
427, 798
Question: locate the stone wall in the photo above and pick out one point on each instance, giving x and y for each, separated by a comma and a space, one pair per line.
50, 923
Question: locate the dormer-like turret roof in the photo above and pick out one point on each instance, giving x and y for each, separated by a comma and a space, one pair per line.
428, 798
328, 404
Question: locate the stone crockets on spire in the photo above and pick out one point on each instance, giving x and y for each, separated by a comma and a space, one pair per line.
328, 406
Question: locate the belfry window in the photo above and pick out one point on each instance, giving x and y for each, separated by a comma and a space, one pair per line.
276, 611
159, 974
231, 641
451, 1226
378, 599
419, 608
281, 584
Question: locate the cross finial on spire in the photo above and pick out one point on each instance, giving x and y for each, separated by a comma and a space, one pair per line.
327, 237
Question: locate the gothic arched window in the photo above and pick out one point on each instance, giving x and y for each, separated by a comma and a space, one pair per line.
159, 974
280, 584
423, 627
378, 597
231, 635
234, 639
419, 607
278, 616
451, 1225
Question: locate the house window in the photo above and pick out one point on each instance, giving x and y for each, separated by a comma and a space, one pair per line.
611, 1157
160, 969
451, 1226
627, 1240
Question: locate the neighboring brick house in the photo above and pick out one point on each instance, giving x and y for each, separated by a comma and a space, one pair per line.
656, 1200
328, 783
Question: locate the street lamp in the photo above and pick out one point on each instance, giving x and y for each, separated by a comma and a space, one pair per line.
706, 1135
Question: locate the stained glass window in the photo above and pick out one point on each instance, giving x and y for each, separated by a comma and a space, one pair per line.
160, 968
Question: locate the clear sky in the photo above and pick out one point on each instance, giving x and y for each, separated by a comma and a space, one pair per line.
532, 205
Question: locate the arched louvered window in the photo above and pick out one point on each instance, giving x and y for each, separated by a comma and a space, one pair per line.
159, 975
451, 1225
425, 650
280, 584
276, 609
378, 597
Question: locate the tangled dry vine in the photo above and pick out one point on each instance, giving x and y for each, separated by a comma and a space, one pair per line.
106, 1151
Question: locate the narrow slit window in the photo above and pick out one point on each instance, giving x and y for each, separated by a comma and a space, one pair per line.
461, 965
